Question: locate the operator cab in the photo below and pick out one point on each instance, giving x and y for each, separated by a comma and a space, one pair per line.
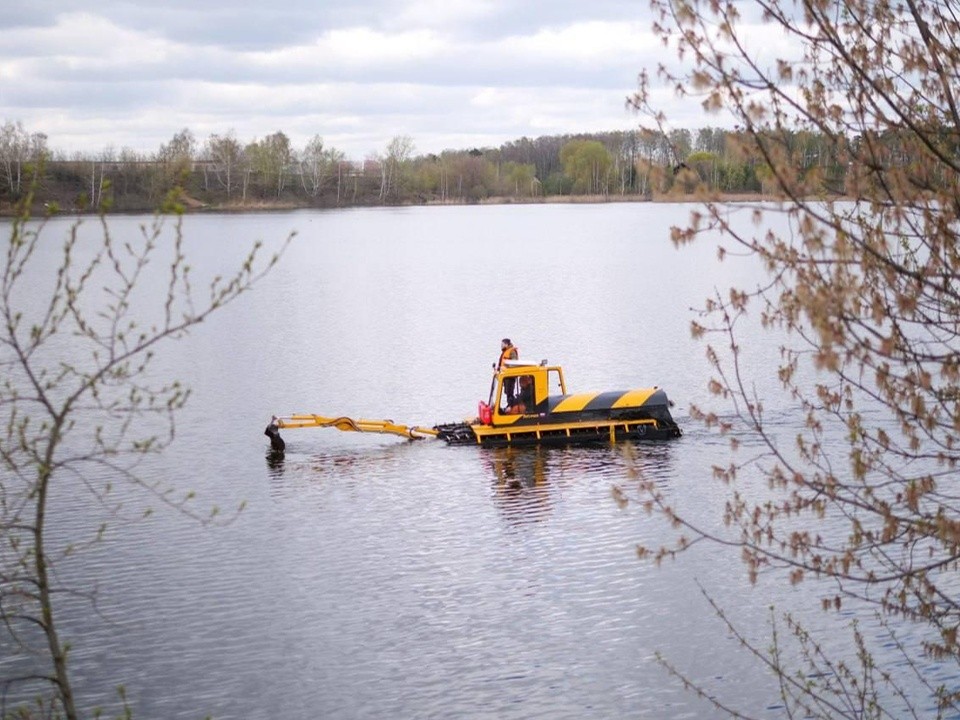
521, 388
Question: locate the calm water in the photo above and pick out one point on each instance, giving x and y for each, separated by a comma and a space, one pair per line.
373, 577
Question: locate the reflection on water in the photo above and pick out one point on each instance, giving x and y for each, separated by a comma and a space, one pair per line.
365, 458
654, 461
528, 482
275, 459
521, 491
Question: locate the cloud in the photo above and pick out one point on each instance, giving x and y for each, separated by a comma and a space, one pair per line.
458, 16
354, 50
444, 72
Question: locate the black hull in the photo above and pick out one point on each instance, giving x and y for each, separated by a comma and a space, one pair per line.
584, 436
567, 431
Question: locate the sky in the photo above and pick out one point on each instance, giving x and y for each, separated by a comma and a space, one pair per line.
448, 74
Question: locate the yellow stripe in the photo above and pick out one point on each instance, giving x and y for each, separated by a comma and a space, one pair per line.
509, 431
634, 398
574, 402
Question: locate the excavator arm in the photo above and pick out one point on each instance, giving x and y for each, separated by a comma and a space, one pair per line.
346, 424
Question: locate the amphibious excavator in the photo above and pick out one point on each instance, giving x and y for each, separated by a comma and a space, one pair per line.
528, 404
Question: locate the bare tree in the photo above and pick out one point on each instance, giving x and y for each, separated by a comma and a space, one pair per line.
393, 165
182, 148
98, 176
18, 148
82, 419
269, 159
225, 154
864, 286
174, 163
317, 163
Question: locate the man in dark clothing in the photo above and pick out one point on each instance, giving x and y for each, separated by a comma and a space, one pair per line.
524, 400
508, 351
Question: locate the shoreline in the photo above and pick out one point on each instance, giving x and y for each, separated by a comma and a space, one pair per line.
191, 206
260, 205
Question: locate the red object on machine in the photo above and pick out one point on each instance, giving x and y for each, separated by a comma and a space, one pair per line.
486, 416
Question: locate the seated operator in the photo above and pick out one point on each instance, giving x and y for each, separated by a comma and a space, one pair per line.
524, 399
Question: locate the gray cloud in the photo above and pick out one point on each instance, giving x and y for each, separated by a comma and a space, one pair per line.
358, 73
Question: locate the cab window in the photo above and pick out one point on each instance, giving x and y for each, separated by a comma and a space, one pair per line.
518, 396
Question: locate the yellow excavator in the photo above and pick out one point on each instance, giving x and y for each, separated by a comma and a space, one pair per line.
528, 404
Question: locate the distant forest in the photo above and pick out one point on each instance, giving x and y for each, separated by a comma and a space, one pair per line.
224, 173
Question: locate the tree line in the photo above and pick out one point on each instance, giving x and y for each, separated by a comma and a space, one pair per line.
224, 171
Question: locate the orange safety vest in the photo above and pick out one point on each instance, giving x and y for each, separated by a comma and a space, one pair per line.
510, 353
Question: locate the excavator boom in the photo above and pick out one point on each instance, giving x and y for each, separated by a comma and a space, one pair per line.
347, 424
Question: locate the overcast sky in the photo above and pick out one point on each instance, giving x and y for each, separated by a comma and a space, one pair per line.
450, 74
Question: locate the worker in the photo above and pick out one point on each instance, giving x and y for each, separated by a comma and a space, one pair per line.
508, 351
524, 399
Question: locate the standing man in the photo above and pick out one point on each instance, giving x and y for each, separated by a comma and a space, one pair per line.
508, 351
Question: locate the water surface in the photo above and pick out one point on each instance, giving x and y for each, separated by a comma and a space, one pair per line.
375, 577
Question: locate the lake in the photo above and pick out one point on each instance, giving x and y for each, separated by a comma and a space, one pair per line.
370, 576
